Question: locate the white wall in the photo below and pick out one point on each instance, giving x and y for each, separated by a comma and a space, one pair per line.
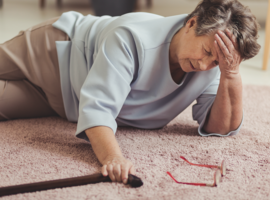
258, 7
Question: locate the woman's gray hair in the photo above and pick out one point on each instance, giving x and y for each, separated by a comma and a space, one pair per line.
213, 15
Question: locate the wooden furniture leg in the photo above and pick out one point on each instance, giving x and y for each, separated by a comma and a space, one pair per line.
267, 39
149, 3
42, 3
59, 3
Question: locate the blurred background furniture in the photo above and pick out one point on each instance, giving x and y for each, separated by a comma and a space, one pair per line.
267, 39
1, 3
113, 7
43, 2
59, 2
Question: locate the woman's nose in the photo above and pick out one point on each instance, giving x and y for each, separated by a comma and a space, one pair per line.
204, 65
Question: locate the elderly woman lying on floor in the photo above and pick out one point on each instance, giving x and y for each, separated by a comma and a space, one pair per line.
138, 70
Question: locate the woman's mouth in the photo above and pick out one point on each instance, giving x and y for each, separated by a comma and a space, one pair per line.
192, 67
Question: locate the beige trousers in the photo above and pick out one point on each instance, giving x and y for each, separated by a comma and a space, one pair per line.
29, 74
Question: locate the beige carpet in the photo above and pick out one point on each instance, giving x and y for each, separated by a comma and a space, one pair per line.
45, 149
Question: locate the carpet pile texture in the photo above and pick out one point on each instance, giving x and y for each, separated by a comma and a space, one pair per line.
33, 150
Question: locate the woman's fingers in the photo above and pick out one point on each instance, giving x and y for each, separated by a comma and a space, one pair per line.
117, 173
110, 172
219, 52
125, 170
128, 168
118, 169
227, 42
132, 170
232, 38
228, 56
222, 46
104, 170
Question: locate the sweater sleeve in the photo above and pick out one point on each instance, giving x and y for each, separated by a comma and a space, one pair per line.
108, 82
203, 106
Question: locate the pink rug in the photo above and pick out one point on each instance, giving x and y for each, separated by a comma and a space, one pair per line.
45, 149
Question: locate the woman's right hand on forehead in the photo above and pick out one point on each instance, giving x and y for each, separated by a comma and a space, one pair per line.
227, 49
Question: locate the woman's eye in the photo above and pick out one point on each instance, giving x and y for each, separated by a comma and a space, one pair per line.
208, 53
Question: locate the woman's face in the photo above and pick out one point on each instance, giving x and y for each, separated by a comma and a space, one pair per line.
191, 52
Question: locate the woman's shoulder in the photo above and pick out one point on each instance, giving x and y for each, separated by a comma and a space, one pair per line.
153, 30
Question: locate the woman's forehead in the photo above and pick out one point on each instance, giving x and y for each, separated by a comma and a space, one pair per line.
209, 43
208, 40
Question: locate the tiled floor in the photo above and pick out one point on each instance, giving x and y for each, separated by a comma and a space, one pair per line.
18, 15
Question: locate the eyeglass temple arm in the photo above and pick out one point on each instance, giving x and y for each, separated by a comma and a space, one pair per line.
197, 184
209, 166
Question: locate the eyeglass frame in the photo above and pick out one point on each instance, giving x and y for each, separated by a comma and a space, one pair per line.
220, 172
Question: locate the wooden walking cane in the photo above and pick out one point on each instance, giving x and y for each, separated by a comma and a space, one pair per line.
134, 181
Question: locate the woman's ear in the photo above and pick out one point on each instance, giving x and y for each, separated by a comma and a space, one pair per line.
191, 23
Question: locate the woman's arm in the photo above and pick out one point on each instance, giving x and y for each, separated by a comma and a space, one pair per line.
108, 152
227, 110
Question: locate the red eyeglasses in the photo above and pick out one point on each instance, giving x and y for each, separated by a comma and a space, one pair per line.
221, 171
